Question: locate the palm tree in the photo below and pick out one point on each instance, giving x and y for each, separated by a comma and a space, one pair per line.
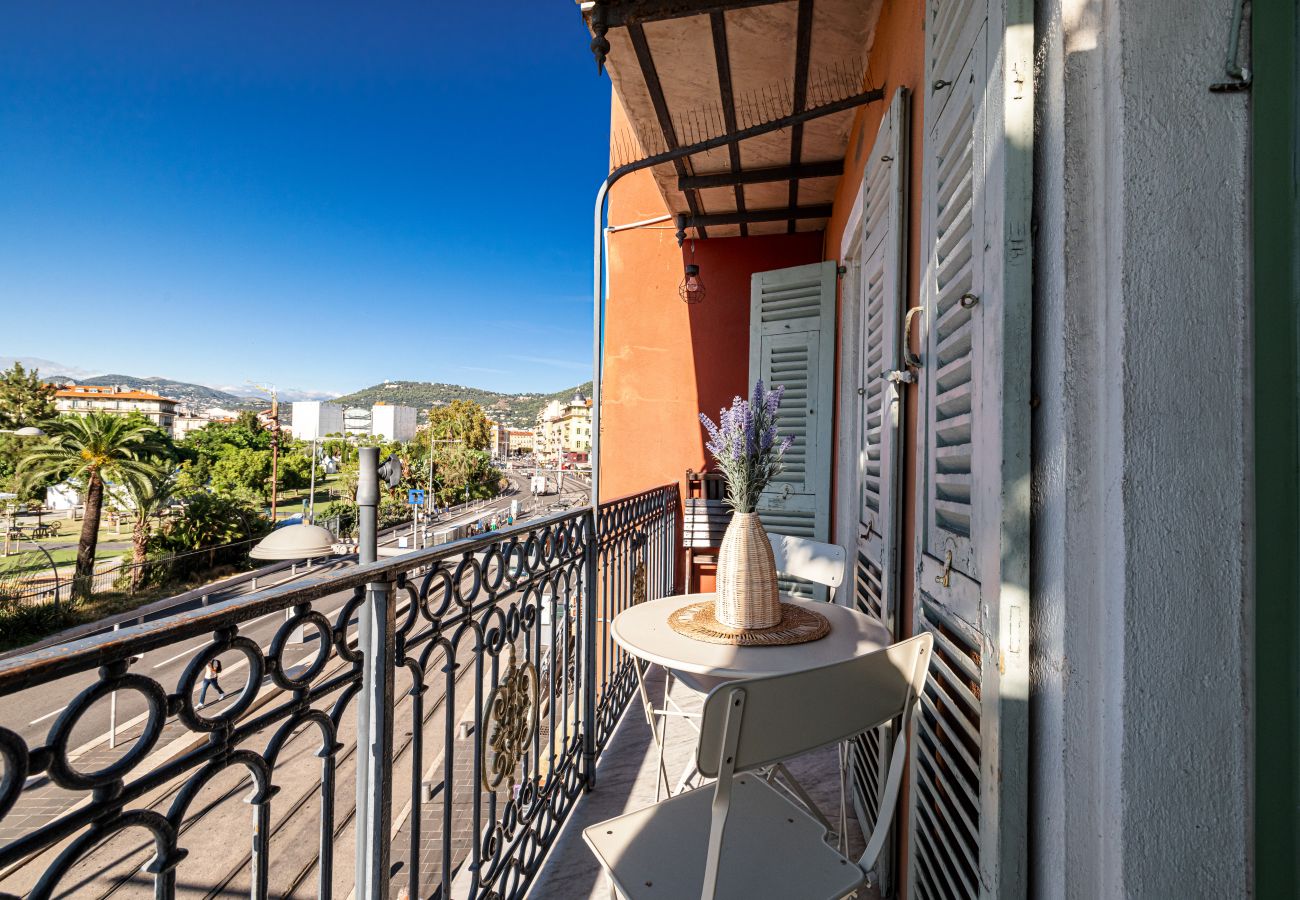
91, 449
146, 496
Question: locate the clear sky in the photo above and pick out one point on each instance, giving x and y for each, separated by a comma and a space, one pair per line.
322, 195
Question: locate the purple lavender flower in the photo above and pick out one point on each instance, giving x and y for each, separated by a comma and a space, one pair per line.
774, 399
709, 427
747, 446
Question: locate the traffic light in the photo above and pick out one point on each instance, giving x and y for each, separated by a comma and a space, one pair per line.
390, 471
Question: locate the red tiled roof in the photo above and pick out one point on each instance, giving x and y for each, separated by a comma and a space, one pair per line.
82, 391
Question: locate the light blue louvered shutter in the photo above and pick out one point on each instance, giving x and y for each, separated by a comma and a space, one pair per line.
878, 262
792, 342
968, 792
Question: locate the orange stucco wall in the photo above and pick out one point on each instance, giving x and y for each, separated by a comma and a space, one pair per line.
665, 360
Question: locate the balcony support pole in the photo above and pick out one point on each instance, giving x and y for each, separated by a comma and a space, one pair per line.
376, 627
590, 600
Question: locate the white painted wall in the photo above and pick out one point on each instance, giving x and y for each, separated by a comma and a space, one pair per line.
392, 423
315, 419
1140, 706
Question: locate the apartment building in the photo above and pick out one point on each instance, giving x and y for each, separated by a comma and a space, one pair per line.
118, 400
563, 428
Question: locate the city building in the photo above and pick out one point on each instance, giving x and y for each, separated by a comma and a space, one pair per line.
118, 400
562, 428
357, 420
187, 420
498, 439
314, 419
520, 442
392, 423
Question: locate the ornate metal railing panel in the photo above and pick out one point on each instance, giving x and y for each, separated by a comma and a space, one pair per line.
507, 686
635, 562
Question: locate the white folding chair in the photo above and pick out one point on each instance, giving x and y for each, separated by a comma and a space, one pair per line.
797, 557
741, 838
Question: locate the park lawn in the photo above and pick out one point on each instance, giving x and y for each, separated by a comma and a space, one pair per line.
289, 503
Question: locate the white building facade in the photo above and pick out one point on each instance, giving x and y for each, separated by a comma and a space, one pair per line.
392, 423
313, 419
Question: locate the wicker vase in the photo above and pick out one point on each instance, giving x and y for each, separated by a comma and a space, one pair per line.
747, 593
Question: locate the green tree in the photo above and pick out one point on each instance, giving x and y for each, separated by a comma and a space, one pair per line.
295, 470
215, 440
193, 476
463, 421
24, 398
464, 474
243, 474
146, 497
212, 523
90, 449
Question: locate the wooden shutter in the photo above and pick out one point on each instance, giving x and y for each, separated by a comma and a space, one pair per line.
968, 793
878, 291
792, 342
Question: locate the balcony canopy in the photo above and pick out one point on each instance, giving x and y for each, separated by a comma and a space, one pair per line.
688, 70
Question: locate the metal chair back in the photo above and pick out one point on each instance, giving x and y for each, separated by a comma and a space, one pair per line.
808, 559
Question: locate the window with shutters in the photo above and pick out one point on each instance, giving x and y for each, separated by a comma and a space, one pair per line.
792, 328
877, 290
953, 338
969, 790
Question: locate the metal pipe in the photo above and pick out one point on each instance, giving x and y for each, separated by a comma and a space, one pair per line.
614, 229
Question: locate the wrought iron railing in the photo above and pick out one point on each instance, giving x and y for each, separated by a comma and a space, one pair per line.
503, 689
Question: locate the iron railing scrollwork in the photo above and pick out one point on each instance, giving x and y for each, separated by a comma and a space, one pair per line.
511, 689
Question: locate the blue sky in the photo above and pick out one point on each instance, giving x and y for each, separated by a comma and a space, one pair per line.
321, 195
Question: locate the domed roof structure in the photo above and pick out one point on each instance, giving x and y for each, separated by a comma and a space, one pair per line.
302, 541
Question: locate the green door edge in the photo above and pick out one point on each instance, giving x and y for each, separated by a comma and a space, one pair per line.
1275, 98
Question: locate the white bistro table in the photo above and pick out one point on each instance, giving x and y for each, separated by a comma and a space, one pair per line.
643, 631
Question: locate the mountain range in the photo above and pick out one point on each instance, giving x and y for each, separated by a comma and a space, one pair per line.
516, 409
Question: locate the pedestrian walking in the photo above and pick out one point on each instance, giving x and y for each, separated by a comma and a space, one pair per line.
211, 672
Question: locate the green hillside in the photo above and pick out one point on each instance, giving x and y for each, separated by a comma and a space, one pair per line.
516, 409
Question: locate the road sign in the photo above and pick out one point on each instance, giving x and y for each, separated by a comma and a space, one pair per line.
415, 497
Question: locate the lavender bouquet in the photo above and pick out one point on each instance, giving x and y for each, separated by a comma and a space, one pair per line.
745, 444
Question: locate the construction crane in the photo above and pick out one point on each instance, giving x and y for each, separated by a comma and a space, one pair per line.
275, 440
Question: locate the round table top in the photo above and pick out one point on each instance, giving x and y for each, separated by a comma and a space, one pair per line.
643, 631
